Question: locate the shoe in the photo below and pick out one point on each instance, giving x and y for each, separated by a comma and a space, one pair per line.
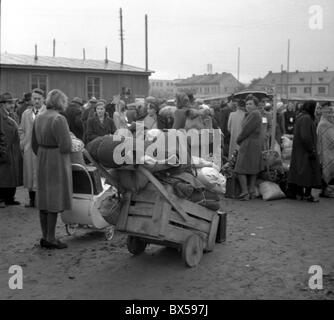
42, 243
244, 197
2, 205
12, 203
299, 197
57, 245
311, 199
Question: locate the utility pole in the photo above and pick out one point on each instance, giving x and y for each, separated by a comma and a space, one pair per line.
121, 22
84, 54
54, 47
238, 63
146, 44
281, 80
287, 74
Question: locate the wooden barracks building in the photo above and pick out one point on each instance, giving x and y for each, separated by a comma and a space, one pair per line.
75, 77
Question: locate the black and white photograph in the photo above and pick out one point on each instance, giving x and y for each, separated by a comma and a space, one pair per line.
179, 151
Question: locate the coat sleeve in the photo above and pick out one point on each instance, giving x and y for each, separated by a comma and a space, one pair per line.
62, 134
179, 119
306, 134
91, 132
229, 123
113, 127
252, 122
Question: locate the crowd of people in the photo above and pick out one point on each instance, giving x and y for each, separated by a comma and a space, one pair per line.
36, 142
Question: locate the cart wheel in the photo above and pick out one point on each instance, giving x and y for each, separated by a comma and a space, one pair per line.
70, 229
192, 250
109, 233
135, 245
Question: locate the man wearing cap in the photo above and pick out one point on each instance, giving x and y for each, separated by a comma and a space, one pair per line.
29, 158
11, 164
74, 117
27, 103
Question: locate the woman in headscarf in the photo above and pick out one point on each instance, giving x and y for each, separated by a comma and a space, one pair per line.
325, 132
182, 104
249, 162
304, 173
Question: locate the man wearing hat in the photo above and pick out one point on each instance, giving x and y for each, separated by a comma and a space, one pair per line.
74, 114
11, 164
29, 158
26, 104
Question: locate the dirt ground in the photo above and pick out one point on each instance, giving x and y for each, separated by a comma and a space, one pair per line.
269, 249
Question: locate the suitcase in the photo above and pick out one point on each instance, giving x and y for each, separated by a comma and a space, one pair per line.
232, 188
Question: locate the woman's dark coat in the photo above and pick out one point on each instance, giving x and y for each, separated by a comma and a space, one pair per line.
11, 165
97, 129
74, 119
305, 167
249, 160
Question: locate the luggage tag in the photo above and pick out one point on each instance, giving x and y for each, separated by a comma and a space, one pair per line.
264, 120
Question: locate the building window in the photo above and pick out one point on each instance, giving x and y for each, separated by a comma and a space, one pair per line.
321, 90
321, 79
94, 87
301, 79
39, 81
307, 89
293, 90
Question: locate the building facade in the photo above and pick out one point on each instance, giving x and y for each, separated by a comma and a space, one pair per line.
163, 88
75, 77
210, 84
299, 84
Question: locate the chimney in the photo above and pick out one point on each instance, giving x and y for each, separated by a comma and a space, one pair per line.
146, 44
270, 72
297, 71
106, 59
36, 57
54, 48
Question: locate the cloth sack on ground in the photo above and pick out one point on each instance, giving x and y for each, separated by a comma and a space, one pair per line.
270, 191
212, 179
109, 206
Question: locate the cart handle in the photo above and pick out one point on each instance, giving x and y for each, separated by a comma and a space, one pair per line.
163, 192
89, 177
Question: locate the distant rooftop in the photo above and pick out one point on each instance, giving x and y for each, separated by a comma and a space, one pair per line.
28, 61
214, 78
298, 77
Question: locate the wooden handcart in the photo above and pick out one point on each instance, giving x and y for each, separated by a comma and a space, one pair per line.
156, 215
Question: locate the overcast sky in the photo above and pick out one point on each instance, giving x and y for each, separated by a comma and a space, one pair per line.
184, 35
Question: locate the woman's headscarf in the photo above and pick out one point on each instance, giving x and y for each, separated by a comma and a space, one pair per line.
309, 108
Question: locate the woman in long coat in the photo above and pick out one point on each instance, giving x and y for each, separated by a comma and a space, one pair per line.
51, 142
11, 160
249, 160
304, 173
